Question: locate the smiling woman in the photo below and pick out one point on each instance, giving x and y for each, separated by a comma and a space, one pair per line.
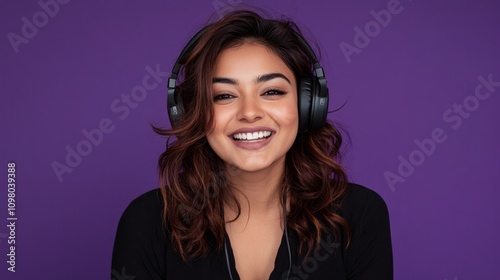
259, 98
252, 187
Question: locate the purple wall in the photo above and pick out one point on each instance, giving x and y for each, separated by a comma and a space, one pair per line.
421, 112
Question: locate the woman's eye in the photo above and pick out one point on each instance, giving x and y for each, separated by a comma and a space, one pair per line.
274, 92
222, 96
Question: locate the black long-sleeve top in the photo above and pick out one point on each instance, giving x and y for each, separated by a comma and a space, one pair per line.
142, 250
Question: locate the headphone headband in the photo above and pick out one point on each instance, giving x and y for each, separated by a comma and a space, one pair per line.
194, 40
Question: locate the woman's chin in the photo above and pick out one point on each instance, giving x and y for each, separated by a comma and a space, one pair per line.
257, 165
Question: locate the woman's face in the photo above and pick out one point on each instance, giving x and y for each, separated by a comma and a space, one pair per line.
255, 108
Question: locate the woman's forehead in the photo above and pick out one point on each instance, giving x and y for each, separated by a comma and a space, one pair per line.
248, 61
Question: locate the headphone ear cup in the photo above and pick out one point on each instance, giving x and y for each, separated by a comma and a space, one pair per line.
313, 103
319, 103
175, 107
305, 92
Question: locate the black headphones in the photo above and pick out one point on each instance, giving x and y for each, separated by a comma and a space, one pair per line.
312, 92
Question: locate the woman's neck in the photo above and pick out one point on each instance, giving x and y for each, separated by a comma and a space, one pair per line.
259, 192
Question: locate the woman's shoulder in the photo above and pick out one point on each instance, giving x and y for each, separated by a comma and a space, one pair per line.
142, 216
145, 208
360, 192
369, 255
151, 198
140, 236
361, 201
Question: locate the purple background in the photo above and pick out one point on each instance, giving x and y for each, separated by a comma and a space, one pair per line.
444, 216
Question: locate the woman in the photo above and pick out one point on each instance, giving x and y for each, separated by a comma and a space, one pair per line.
252, 187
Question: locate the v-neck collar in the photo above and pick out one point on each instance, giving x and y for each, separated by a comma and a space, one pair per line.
281, 263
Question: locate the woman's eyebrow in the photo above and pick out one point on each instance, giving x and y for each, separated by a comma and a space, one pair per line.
224, 80
270, 76
259, 79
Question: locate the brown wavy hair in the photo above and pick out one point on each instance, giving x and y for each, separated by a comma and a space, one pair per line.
193, 178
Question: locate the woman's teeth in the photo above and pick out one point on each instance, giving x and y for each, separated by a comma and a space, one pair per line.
249, 136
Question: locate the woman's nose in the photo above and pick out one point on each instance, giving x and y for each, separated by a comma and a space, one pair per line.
250, 109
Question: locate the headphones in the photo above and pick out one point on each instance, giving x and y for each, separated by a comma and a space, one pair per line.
312, 91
